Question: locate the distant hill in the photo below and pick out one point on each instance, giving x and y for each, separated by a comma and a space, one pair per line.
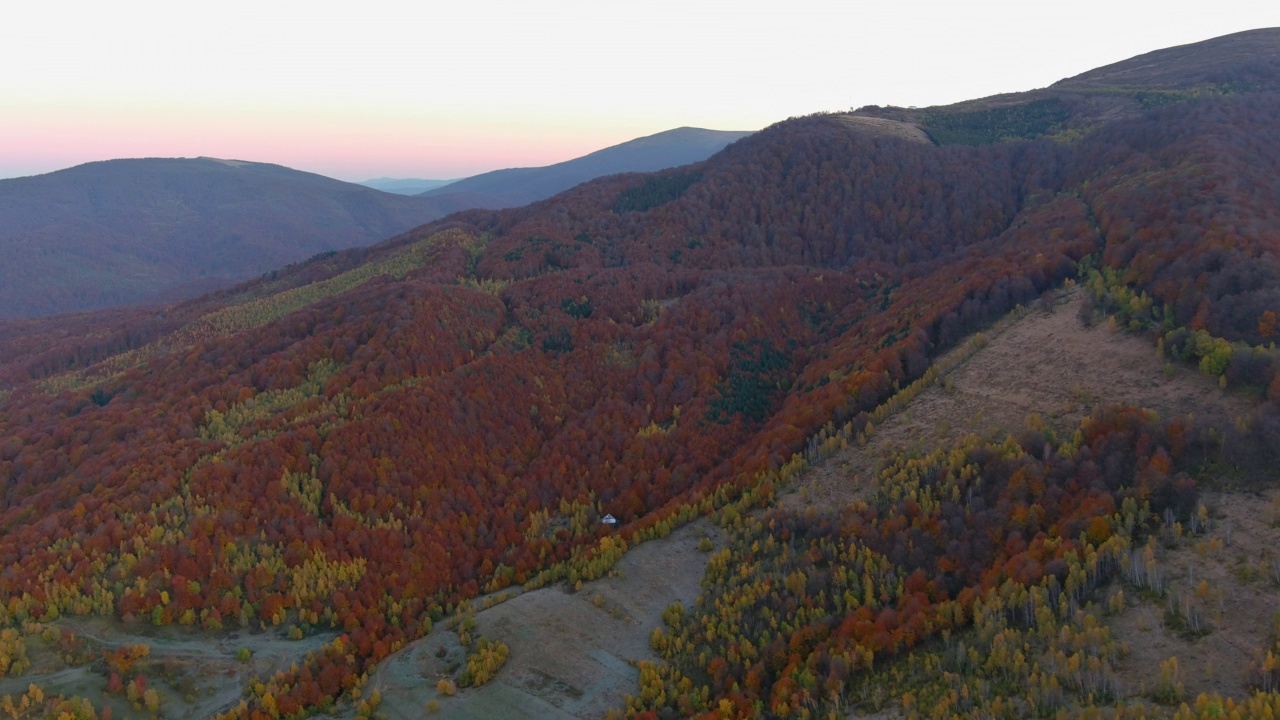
404, 186
125, 231
520, 186
162, 229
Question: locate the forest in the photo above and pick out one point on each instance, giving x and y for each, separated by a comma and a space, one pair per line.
360, 443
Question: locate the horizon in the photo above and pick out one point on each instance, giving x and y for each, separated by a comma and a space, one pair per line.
356, 97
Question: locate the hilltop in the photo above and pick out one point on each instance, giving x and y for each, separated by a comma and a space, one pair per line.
830, 340
1070, 108
1240, 61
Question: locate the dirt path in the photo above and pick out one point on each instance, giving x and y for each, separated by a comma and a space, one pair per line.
571, 653
196, 675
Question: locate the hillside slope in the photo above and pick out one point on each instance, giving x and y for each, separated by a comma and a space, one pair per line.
359, 447
520, 186
1038, 360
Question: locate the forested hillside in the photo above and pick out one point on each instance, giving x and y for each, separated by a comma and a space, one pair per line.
353, 448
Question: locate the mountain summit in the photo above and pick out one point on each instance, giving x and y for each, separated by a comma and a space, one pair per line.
1240, 60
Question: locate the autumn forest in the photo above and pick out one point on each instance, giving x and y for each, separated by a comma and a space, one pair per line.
355, 450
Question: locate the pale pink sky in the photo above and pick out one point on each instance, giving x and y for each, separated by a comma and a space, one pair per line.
417, 89
352, 150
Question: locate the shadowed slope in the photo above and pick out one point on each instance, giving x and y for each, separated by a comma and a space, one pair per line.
124, 231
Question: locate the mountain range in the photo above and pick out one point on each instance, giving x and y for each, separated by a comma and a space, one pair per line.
965, 411
149, 230
521, 186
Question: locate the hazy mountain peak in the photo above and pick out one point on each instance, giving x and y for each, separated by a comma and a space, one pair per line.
519, 186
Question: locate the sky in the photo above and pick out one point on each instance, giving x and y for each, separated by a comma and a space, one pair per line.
431, 89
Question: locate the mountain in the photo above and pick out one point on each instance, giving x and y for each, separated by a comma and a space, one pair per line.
157, 230
404, 186
520, 186
968, 410
1239, 63
126, 231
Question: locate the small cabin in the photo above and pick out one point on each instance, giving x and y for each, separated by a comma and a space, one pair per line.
609, 520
